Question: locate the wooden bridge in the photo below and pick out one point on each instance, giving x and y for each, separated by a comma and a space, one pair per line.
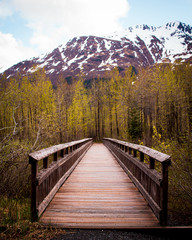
110, 185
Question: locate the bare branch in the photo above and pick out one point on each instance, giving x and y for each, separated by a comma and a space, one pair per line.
37, 138
14, 130
1, 129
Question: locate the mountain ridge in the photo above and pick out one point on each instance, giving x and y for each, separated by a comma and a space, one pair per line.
139, 46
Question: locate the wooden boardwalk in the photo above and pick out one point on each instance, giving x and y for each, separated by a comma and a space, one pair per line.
99, 194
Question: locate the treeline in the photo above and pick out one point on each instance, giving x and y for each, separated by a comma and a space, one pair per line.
153, 107
130, 107
126, 107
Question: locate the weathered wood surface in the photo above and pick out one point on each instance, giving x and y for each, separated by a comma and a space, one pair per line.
45, 184
99, 194
152, 184
44, 153
159, 156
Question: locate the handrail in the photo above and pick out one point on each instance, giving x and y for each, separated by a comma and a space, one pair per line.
152, 184
158, 156
39, 155
46, 182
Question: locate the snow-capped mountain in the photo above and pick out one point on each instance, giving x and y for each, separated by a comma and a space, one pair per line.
171, 40
141, 45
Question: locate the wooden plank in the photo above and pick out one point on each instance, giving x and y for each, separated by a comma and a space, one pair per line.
99, 194
51, 194
157, 210
152, 185
47, 200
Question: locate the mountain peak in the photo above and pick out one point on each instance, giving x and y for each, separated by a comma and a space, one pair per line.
145, 27
141, 45
173, 24
179, 25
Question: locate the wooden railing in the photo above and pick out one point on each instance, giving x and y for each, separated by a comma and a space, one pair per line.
46, 182
151, 183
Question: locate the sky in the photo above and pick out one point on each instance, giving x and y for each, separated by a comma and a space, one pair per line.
29, 28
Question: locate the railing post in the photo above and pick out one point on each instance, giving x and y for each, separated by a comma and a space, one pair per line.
62, 153
151, 163
67, 150
45, 162
55, 156
126, 149
34, 193
164, 193
71, 149
141, 156
130, 150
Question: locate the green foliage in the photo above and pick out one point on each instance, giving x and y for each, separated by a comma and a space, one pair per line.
181, 177
134, 129
159, 143
79, 114
153, 106
14, 169
14, 210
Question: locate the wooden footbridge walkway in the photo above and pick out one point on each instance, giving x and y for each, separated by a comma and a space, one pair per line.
99, 185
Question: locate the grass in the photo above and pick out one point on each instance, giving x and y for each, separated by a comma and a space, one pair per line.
15, 222
27, 230
14, 210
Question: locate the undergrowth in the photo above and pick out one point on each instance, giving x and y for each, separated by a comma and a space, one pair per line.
15, 222
14, 210
180, 178
27, 230
15, 206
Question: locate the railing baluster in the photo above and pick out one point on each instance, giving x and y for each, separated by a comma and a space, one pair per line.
130, 150
62, 153
55, 156
45, 162
151, 163
67, 150
141, 156
126, 148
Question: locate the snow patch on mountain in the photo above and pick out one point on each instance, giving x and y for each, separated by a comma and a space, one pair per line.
171, 38
141, 45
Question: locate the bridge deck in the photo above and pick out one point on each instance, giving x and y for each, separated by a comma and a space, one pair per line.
99, 194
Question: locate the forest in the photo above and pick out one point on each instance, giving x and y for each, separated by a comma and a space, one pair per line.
152, 107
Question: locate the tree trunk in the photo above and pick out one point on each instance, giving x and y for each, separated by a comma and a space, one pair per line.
117, 123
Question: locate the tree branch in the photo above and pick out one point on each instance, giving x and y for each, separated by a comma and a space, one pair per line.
37, 137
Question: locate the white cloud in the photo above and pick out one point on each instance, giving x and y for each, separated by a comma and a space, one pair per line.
12, 51
54, 21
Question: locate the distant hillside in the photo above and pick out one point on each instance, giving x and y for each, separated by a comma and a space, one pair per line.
138, 46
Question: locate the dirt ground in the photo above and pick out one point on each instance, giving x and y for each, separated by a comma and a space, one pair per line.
125, 234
